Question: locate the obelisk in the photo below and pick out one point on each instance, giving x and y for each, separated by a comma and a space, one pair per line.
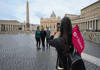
27, 16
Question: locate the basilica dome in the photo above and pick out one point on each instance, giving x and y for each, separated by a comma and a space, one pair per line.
53, 14
59, 17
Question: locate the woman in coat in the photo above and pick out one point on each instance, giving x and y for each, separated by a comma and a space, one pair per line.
63, 43
43, 35
37, 38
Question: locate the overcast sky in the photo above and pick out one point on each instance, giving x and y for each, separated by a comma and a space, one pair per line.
16, 9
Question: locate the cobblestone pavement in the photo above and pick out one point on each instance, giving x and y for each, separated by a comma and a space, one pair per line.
18, 52
92, 48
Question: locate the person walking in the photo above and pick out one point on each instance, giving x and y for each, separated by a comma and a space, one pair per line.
63, 45
37, 38
47, 37
43, 35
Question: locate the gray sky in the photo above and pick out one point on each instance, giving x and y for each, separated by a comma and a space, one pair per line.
16, 9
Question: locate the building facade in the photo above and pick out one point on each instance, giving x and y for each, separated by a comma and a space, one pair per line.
89, 18
14, 25
50, 22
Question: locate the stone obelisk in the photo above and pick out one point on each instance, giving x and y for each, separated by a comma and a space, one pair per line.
27, 14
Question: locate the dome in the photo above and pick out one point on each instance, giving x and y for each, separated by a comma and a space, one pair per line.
53, 14
59, 17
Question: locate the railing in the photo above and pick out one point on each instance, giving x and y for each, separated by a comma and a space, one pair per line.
92, 36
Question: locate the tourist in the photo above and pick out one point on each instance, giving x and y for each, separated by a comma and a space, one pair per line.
43, 35
37, 37
62, 45
47, 37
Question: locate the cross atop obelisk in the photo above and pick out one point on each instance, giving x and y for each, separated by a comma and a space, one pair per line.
27, 14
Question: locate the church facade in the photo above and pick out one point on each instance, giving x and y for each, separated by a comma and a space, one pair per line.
14, 25
50, 22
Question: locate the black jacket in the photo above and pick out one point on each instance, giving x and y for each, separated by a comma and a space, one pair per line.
57, 43
43, 34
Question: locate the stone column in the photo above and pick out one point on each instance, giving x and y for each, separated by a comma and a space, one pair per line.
47, 24
95, 24
23, 27
17, 27
92, 24
52, 25
5, 27
99, 23
87, 25
43, 24
14, 28
82, 26
55, 25
10, 27
0, 27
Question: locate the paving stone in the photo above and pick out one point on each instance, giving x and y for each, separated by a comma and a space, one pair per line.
25, 56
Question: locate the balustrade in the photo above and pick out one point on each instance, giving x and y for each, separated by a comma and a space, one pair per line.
92, 36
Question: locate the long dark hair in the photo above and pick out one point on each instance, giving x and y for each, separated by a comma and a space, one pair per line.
66, 33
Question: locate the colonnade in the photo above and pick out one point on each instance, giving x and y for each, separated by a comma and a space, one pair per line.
83, 26
10, 27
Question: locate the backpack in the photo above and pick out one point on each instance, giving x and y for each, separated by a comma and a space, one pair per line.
77, 64
76, 61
